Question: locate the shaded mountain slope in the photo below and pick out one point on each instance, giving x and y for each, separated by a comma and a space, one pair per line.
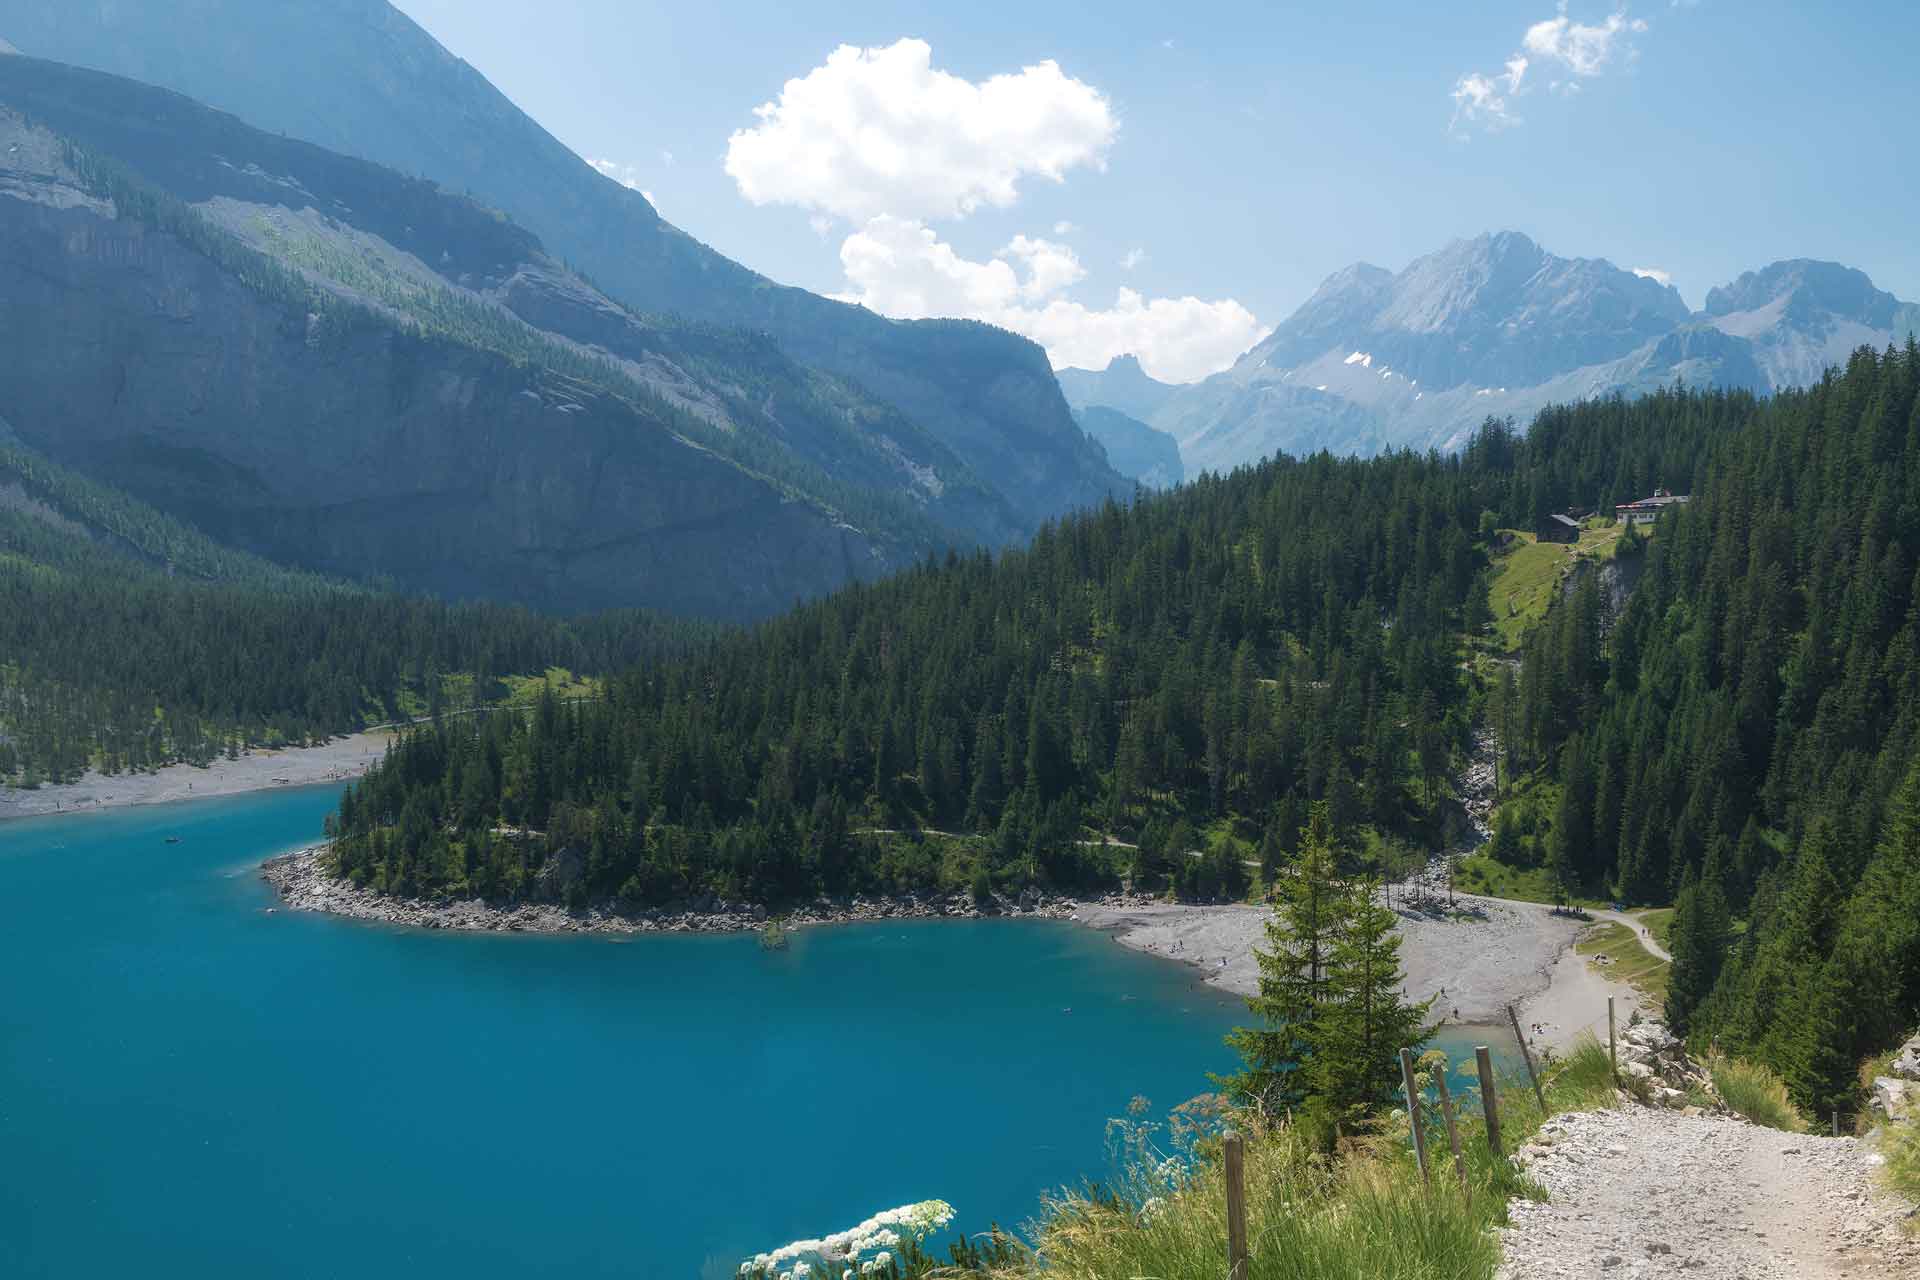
360, 77
330, 401
1134, 448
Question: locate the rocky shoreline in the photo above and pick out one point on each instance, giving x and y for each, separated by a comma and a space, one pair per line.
304, 886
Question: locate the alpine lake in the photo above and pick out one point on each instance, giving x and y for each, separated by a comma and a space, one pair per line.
195, 1081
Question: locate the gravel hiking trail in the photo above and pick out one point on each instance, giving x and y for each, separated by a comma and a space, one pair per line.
1645, 1192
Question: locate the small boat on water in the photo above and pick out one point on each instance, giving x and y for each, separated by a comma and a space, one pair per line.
173, 839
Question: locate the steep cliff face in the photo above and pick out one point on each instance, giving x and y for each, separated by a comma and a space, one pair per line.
359, 77
367, 447
454, 266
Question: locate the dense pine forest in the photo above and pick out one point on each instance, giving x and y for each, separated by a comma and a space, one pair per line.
1190, 674
1743, 741
1187, 674
130, 640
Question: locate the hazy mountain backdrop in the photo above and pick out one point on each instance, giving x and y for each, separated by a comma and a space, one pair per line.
1495, 325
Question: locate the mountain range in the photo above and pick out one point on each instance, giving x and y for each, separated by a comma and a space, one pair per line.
542, 391
1495, 326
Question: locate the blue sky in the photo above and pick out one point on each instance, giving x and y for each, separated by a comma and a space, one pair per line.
1218, 161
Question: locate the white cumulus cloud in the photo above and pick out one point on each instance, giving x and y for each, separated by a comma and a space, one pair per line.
900, 267
1132, 258
1578, 50
1654, 274
882, 131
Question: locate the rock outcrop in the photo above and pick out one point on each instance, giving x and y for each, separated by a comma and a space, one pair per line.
1655, 1064
1906, 1063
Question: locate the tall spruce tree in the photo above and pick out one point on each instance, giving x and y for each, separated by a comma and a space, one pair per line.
1700, 933
1309, 917
1363, 1021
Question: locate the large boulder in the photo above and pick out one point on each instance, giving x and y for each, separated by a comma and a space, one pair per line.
1906, 1063
1892, 1098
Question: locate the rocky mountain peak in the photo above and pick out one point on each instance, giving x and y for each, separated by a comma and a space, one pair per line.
1124, 385
1505, 278
1809, 288
1360, 279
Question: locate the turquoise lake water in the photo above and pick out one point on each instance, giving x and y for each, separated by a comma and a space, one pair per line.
191, 1086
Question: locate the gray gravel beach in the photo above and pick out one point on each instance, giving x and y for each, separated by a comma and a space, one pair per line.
336, 761
1484, 955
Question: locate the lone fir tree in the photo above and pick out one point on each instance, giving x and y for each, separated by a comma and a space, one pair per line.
1332, 1019
1363, 1021
1293, 971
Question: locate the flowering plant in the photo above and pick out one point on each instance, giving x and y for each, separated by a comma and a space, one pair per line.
866, 1250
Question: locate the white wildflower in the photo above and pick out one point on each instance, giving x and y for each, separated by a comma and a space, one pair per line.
884, 1232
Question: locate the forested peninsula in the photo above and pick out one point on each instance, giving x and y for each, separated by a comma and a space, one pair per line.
1154, 694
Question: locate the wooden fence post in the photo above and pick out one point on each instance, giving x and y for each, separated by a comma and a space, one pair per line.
1235, 1151
1413, 1114
1613, 1054
1836, 1122
1527, 1054
1489, 1104
1453, 1132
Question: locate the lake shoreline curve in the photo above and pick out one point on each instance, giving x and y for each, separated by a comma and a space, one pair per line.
1474, 963
303, 884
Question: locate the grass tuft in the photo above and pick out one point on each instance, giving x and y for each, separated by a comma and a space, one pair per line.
1309, 1217
1361, 1214
1900, 1144
1754, 1091
1583, 1081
